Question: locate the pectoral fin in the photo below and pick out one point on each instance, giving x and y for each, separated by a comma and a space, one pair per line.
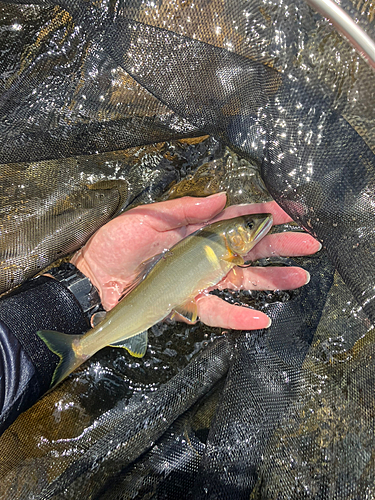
236, 260
136, 346
188, 311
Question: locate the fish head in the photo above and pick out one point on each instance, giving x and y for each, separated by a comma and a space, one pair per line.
245, 232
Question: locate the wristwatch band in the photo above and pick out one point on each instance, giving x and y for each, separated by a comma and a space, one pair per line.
79, 285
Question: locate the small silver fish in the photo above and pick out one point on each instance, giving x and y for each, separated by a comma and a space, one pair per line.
195, 263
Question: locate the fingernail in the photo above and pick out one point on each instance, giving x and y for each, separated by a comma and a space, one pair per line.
218, 194
320, 246
308, 277
269, 323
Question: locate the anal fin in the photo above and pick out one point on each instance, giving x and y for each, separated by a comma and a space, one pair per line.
136, 346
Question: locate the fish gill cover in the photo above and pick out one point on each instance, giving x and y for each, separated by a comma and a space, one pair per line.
105, 105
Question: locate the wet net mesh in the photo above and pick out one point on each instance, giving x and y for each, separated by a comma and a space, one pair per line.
105, 105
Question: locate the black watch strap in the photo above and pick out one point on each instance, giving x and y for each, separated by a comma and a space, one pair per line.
79, 285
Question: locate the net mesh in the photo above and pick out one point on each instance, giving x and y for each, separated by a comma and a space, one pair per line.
105, 105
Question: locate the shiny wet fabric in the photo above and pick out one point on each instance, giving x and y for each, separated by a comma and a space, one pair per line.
291, 414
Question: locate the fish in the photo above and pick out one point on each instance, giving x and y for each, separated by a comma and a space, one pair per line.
169, 286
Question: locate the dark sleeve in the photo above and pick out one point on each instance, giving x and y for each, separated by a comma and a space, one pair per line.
26, 364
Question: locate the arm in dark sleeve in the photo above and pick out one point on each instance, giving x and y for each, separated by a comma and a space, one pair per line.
26, 364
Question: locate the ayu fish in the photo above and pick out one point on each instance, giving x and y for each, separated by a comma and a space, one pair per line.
197, 262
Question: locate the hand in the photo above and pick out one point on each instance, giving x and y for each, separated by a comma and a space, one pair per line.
112, 255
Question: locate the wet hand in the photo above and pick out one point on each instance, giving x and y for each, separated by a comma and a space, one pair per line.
113, 254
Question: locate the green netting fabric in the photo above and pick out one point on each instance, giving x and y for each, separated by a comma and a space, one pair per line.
104, 105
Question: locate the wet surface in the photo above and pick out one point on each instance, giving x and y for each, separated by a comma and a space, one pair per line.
62, 95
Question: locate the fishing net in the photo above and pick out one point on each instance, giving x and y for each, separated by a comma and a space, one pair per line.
106, 105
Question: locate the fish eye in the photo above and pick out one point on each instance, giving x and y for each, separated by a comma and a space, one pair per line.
250, 224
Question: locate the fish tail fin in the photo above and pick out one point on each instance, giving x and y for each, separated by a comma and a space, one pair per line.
67, 348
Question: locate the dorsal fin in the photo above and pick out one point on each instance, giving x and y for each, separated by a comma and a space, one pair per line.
97, 318
141, 272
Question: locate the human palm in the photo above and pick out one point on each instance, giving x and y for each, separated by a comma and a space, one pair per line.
112, 256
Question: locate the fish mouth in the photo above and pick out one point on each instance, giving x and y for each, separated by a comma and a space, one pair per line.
263, 228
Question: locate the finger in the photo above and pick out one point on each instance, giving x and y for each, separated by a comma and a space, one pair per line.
265, 278
286, 244
214, 311
171, 214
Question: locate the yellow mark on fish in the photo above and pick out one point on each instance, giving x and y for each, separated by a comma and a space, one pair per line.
211, 256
